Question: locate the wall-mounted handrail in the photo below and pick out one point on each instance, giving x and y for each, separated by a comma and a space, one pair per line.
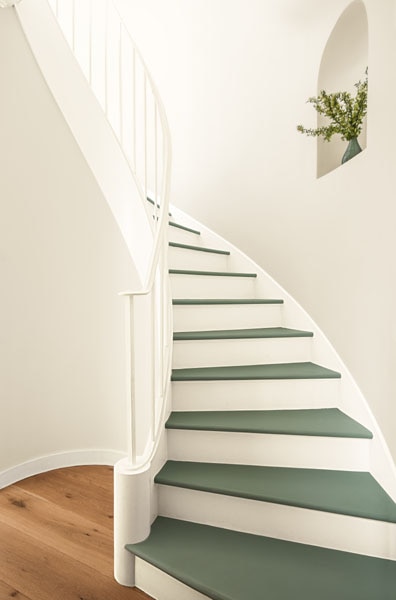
120, 80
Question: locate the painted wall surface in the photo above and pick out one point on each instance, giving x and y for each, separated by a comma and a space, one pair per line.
62, 264
234, 76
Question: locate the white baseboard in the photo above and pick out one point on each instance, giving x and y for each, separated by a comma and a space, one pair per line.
58, 461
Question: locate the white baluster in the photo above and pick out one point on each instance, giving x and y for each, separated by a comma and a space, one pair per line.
73, 24
157, 200
130, 376
134, 109
106, 57
120, 86
154, 380
145, 140
90, 41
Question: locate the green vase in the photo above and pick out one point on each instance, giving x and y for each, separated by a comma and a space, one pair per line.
353, 148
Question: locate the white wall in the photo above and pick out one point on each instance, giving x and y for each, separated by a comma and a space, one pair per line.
63, 262
234, 76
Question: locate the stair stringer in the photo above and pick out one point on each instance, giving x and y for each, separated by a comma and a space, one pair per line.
350, 398
90, 128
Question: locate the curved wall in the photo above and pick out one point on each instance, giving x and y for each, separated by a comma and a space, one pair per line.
344, 63
234, 82
63, 262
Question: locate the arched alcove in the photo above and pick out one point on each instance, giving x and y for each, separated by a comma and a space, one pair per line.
343, 63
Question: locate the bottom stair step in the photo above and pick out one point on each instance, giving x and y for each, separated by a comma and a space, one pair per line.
229, 565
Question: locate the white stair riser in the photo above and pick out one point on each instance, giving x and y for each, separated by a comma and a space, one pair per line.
212, 286
161, 586
296, 451
206, 353
329, 530
255, 394
226, 316
181, 236
181, 258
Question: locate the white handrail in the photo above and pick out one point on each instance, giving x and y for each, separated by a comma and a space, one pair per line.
119, 78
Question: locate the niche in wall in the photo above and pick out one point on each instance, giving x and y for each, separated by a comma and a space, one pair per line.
343, 63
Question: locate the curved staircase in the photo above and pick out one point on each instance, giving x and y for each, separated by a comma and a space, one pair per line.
267, 491
270, 486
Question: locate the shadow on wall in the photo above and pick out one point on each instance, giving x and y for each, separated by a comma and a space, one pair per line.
344, 62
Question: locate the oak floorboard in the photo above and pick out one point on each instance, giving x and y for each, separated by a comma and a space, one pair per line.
60, 529
56, 539
76, 491
8, 592
100, 477
45, 573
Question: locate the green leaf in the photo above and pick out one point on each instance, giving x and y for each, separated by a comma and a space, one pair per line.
345, 112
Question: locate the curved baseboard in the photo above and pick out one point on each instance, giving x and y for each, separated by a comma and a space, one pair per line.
58, 461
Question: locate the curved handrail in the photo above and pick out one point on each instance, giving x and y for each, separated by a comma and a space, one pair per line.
121, 82
161, 201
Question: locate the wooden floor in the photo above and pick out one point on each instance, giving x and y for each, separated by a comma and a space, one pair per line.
56, 538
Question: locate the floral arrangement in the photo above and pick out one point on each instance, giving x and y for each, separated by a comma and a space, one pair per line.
345, 111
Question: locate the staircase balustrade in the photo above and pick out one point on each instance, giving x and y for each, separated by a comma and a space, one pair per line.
122, 84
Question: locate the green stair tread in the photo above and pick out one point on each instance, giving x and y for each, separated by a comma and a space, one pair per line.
219, 301
299, 370
239, 334
342, 492
173, 224
325, 422
210, 273
230, 565
158, 205
198, 248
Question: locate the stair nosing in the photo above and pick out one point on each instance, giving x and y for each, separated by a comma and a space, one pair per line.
271, 497
239, 334
211, 273
224, 301
361, 433
189, 229
199, 248
226, 373
151, 201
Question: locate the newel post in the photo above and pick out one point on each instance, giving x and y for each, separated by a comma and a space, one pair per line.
131, 516
132, 492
